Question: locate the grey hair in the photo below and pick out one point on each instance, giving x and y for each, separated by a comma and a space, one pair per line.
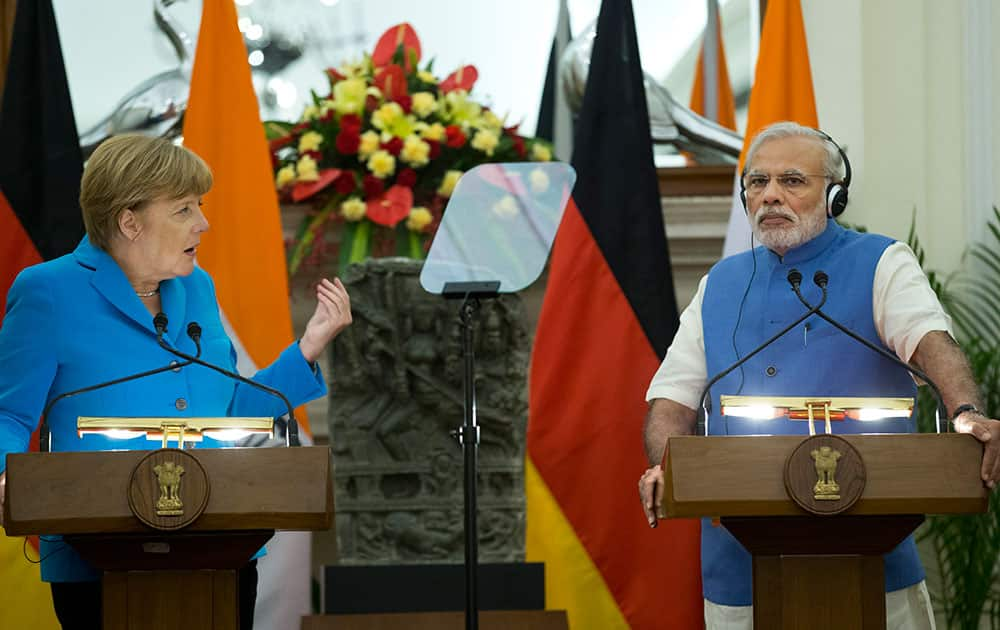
833, 163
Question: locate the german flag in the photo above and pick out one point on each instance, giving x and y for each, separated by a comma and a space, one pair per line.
40, 169
608, 316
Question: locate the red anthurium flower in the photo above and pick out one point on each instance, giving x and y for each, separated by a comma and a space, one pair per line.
334, 75
454, 137
390, 41
407, 177
345, 183
393, 146
372, 186
348, 141
304, 190
392, 207
435, 148
391, 81
462, 79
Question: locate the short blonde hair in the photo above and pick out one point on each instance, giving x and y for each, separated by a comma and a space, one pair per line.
128, 172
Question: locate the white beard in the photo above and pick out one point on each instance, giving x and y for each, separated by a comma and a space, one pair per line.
800, 231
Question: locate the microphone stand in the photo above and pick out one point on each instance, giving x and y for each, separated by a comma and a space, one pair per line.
194, 331
794, 278
468, 434
45, 436
820, 279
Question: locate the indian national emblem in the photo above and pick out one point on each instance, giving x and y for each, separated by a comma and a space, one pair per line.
826, 488
168, 476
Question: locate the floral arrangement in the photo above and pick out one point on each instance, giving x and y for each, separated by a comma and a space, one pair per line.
378, 157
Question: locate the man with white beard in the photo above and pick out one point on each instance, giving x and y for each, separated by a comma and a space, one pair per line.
794, 184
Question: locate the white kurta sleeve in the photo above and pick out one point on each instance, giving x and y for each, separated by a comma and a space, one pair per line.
683, 373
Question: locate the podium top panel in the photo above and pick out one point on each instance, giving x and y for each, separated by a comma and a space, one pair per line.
744, 475
250, 489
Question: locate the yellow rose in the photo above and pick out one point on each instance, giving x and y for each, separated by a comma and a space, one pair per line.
491, 121
485, 141
353, 209
540, 152
448, 183
427, 77
369, 144
433, 132
311, 112
419, 218
415, 151
382, 164
538, 181
310, 141
423, 104
349, 96
307, 169
353, 69
286, 175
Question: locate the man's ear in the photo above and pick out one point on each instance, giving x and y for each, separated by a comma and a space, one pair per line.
129, 225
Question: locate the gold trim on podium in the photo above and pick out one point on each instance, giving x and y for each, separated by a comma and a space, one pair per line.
178, 429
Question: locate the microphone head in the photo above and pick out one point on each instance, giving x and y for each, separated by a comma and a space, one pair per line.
194, 331
794, 277
160, 322
820, 279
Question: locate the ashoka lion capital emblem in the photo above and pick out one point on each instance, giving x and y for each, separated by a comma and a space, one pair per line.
826, 488
168, 476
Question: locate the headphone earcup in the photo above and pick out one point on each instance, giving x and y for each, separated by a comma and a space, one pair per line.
743, 200
836, 200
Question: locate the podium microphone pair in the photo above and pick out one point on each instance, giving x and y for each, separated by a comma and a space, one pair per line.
820, 279
194, 332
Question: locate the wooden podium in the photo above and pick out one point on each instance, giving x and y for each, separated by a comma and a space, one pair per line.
812, 570
167, 566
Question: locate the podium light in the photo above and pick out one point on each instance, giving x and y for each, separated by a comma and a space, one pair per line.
830, 409
175, 429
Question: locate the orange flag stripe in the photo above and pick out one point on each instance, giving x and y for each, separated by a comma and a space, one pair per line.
726, 106
783, 87
244, 250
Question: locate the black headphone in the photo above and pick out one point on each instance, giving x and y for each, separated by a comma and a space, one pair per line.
836, 192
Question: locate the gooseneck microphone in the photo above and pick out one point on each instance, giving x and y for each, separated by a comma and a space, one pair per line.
795, 279
45, 436
820, 279
194, 331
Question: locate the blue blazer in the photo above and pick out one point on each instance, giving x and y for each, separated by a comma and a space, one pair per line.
76, 321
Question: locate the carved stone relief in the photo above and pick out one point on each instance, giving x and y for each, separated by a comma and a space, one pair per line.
397, 398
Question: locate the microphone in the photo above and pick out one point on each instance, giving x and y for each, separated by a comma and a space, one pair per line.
194, 331
45, 436
795, 279
820, 279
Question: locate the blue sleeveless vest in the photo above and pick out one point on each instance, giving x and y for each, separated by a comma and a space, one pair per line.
814, 358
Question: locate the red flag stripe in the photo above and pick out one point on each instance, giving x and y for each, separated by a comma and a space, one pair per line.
18, 250
586, 442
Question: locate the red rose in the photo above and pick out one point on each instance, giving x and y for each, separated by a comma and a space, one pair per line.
454, 137
407, 177
350, 121
405, 101
435, 148
327, 117
371, 103
345, 184
522, 152
393, 146
348, 141
373, 186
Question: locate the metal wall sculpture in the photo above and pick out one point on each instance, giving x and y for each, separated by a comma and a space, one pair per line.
396, 386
